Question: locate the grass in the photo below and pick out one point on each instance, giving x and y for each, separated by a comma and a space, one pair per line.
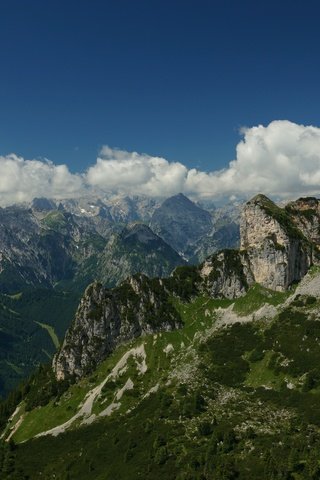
196, 318
238, 393
256, 297
51, 332
261, 375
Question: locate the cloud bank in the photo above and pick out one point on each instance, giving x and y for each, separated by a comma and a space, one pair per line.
281, 160
22, 180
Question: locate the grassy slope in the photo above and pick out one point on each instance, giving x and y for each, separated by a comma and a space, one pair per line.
226, 398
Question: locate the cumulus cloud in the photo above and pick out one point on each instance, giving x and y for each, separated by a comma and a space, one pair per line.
22, 180
121, 171
281, 159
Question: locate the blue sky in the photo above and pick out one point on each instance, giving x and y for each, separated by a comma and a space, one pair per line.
169, 78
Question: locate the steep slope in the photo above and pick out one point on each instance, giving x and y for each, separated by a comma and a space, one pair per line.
32, 324
42, 251
233, 394
206, 374
107, 318
49, 256
278, 253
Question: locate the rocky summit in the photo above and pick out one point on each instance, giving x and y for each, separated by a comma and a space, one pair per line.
276, 244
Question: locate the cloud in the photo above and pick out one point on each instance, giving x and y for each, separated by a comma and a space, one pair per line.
22, 180
130, 172
281, 159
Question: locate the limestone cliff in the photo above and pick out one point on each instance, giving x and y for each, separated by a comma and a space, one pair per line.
224, 275
106, 318
274, 249
305, 215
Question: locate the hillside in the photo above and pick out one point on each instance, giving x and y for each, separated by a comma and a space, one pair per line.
233, 394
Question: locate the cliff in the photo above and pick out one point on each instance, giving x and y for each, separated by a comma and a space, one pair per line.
105, 318
275, 250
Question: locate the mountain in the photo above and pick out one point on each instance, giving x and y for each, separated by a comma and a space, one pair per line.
180, 222
273, 253
135, 249
193, 231
234, 393
50, 255
116, 208
206, 374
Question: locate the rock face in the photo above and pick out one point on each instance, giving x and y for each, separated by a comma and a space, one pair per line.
276, 252
305, 214
106, 318
224, 275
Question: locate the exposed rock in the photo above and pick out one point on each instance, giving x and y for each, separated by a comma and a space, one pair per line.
277, 249
224, 275
277, 252
106, 318
305, 213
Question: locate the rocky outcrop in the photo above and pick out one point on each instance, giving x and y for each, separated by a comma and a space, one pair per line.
106, 318
224, 275
305, 214
274, 249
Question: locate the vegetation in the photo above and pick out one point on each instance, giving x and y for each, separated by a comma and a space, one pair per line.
31, 319
236, 402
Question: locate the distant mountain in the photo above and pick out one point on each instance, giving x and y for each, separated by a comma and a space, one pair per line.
50, 250
117, 208
193, 231
136, 249
180, 222
49, 255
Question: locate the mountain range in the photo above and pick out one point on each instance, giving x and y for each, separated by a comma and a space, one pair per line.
209, 373
51, 250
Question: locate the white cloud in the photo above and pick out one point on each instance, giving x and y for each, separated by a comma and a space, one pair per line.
281, 159
22, 180
130, 172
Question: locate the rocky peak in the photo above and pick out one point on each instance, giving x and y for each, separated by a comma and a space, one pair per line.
305, 214
139, 232
277, 251
105, 318
180, 222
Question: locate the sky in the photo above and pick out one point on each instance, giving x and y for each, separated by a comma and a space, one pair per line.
158, 97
